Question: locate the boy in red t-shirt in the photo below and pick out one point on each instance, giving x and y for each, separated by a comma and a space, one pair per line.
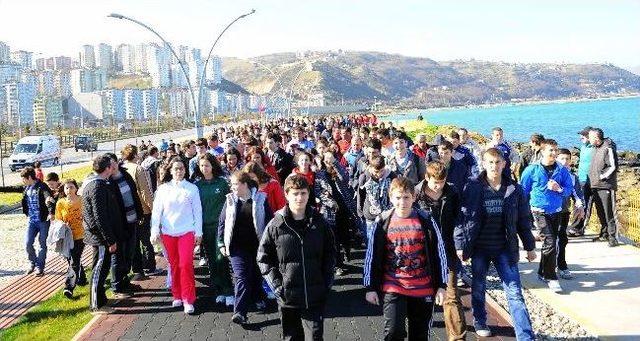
406, 265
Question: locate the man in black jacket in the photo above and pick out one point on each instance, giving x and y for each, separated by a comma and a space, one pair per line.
436, 196
603, 181
281, 160
127, 199
101, 218
40, 211
298, 241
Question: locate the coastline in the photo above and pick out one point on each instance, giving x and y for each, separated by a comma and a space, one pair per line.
392, 111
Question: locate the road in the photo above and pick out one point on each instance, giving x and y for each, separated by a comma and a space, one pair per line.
71, 159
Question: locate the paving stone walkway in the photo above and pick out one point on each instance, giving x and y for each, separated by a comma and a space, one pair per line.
149, 316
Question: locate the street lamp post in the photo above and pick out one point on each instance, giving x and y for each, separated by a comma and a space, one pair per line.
278, 80
204, 68
184, 71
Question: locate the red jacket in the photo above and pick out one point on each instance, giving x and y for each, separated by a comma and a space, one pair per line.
275, 195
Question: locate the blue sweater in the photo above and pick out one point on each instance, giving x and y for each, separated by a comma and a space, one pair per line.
534, 184
586, 154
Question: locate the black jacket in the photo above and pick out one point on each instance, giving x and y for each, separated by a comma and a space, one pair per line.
376, 255
445, 217
516, 215
126, 233
101, 215
283, 162
297, 266
458, 174
43, 192
604, 166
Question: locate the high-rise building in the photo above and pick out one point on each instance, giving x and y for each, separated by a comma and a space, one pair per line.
195, 66
178, 80
45, 83
9, 72
113, 105
5, 53
179, 103
214, 70
54, 63
17, 100
87, 56
150, 104
62, 83
23, 58
158, 63
88, 80
133, 108
105, 57
126, 60
47, 112
141, 58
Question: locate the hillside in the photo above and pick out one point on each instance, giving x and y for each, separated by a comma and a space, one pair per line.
355, 76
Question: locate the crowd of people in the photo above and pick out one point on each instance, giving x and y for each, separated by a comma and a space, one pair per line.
274, 211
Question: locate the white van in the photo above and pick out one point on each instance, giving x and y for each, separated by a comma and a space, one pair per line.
30, 149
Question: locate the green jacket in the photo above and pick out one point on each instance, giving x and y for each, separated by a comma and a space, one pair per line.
212, 195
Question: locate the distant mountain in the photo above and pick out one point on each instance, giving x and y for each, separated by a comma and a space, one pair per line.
355, 76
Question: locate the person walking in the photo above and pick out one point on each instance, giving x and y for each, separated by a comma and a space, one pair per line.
244, 216
176, 218
296, 256
69, 211
213, 188
38, 205
101, 220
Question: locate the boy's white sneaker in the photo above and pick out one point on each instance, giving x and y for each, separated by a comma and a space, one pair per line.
176, 303
554, 285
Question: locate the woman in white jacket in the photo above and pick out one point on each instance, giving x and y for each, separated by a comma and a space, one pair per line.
177, 218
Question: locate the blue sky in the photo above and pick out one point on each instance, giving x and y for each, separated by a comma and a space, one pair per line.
513, 31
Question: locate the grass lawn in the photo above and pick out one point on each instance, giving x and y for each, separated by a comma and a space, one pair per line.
8, 199
57, 318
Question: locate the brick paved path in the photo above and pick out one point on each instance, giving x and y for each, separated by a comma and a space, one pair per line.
149, 316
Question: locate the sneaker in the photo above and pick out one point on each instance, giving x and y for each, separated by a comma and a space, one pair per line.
30, 269
600, 239
575, 233
554, 285
102, 310
121, 295
483, 331
137, 277
271, 296
565, 274
239, 319
189, 308
460, 283
203, 262
340, 272
176, 303
68, 293
261, 305
39, 272
230, 301
613, 242
220, 299
154, 272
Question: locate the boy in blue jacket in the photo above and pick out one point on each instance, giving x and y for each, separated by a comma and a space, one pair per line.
547, 183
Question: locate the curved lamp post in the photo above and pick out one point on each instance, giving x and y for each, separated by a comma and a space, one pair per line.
204, 69
184, 71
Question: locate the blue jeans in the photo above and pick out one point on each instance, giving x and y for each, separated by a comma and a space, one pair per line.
40, 229
510, 278
370, 226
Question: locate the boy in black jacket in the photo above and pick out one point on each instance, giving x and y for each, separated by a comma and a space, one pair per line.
101, 218
298, 241
40, 209
406, 263
436, 196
